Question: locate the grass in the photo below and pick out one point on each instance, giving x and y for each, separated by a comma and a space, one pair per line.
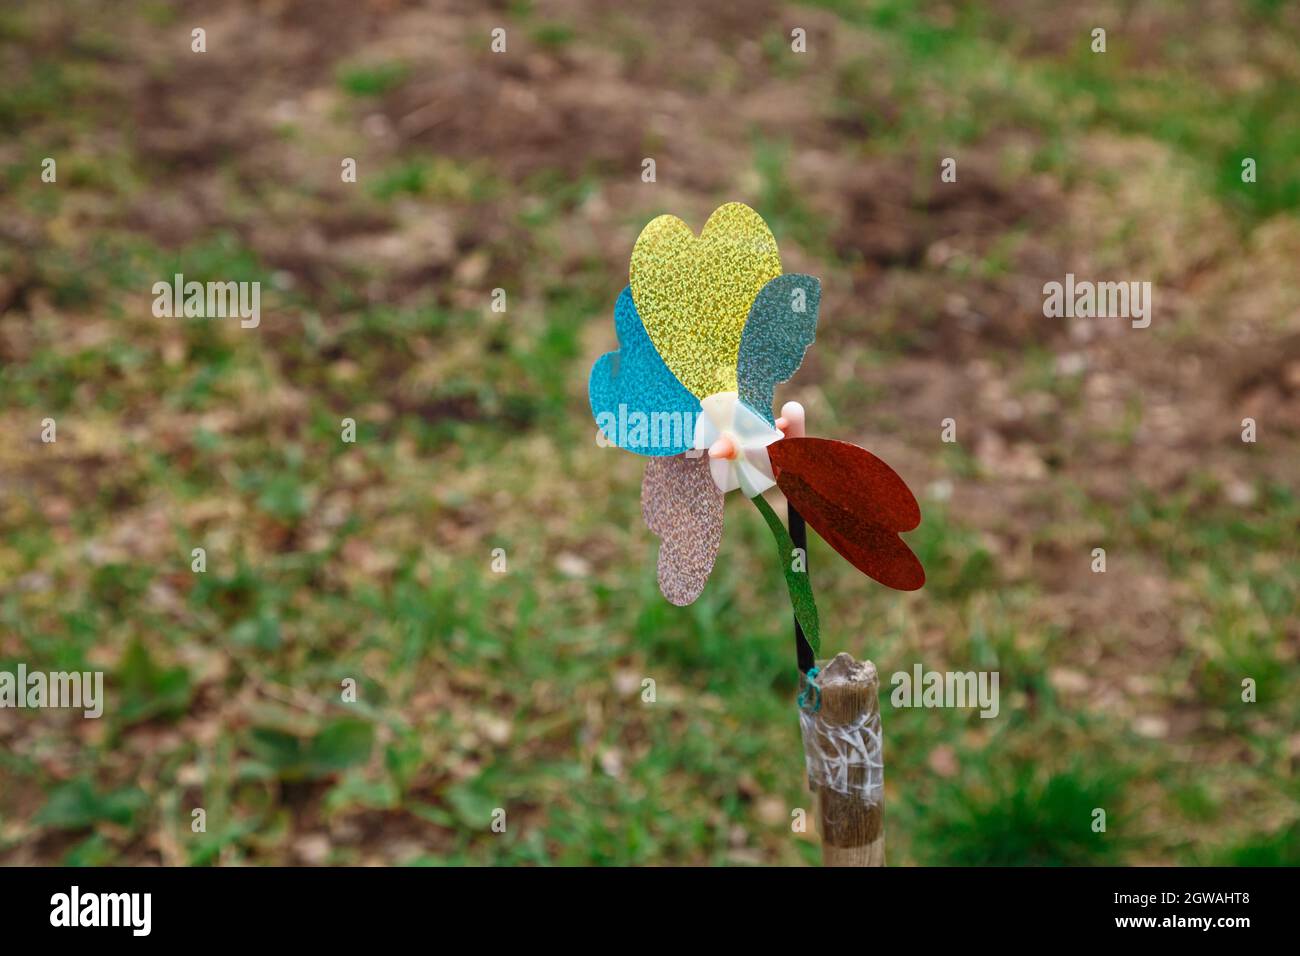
372, 79
1027, 822
1004, 83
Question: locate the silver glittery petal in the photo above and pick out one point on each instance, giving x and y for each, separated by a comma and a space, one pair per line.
681, 504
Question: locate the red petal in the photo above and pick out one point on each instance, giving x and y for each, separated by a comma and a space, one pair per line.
856, 502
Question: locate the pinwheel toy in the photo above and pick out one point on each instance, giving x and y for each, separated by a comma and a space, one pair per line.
707, 329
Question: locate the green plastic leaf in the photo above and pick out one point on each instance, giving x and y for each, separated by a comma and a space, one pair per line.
801, 596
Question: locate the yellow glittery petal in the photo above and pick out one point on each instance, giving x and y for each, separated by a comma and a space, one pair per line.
693, 293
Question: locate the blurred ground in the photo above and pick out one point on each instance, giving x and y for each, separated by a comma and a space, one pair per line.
522, 171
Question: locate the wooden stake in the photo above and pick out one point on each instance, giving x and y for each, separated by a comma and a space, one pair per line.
843, 746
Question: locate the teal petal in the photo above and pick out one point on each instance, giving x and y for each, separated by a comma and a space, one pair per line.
781, 325
638, 403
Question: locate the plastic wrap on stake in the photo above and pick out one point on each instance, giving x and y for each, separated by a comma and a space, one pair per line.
844, 752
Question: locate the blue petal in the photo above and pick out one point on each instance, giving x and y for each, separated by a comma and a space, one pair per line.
637, 402
781, 325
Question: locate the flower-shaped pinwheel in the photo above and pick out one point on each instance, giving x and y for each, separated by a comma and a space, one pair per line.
707, 329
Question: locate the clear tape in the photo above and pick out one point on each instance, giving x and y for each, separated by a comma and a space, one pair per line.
846, 758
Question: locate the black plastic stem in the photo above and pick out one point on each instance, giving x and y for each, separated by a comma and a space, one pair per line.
799, 535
